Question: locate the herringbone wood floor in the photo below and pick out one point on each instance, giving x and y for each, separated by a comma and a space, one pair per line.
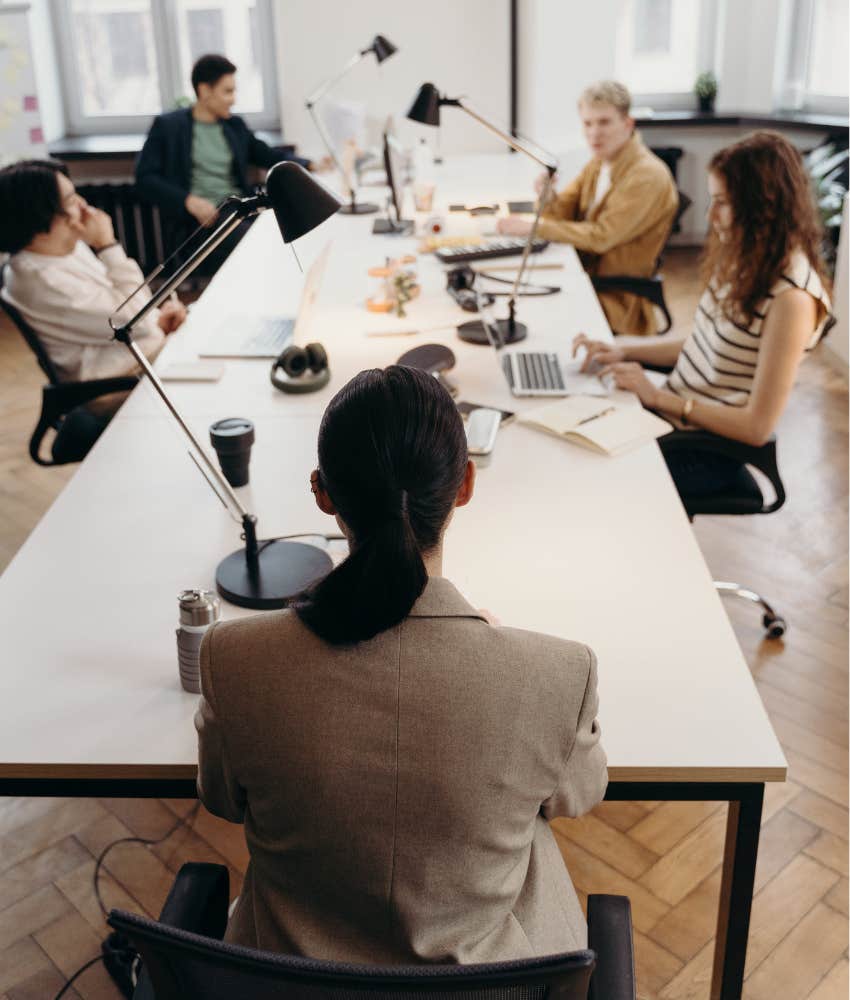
665, 856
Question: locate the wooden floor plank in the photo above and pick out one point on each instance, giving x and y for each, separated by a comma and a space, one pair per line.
670, 822
691, 861
835, 984
617, 849
829, 850
70, 942
590, 874
793, 969
19, 962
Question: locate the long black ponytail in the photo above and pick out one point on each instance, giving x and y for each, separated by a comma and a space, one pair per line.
392, 457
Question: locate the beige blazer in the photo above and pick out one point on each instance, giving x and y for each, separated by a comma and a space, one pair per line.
395, 793
624, 232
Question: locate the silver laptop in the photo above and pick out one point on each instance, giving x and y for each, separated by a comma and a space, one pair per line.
266, 336
540, 373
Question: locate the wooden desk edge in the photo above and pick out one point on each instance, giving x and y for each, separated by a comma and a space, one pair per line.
189, 772
697, 775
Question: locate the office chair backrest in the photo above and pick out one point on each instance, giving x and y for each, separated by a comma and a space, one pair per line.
137, 223
29, 335
183, 965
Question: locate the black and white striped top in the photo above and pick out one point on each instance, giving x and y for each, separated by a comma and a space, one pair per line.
718, 360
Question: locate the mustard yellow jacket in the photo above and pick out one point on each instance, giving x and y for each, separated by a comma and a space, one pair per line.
624, 232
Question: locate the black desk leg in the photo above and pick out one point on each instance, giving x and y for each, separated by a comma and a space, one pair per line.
743, 825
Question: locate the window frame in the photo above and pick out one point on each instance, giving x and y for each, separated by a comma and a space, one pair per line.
164, 18
707, 61
794, 59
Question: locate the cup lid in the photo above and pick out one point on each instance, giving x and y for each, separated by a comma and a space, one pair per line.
230, 428
199, 607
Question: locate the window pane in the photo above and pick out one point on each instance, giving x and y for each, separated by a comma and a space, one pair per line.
114, 45
828, 60
652, 25
228, 28
658, 45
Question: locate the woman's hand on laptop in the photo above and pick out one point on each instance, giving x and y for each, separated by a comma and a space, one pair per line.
598, 353
629, 375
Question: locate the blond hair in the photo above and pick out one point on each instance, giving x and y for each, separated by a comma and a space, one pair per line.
607, 92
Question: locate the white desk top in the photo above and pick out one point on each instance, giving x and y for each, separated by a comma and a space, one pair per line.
556, 539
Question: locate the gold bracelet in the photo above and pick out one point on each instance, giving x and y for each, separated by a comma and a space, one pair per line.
686, 410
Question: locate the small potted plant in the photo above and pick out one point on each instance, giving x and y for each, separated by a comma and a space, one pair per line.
706, 90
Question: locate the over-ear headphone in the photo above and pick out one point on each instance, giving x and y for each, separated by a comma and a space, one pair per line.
301, 369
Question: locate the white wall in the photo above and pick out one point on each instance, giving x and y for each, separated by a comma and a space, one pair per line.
462, 46
562, 48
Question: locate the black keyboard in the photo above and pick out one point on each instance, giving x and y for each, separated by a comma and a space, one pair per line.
495, 248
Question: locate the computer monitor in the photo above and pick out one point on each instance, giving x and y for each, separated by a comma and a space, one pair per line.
393, 166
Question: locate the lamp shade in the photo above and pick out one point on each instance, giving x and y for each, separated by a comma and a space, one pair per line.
382, 47
299, 202
426, 106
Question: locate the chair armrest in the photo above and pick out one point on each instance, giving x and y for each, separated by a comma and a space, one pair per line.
197, 902
61, 397
609, 934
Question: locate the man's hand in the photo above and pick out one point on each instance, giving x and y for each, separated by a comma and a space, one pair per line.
631, 376
541, 181
513, 225
171, 315
202, 210
95, 228
321, 166
597, 353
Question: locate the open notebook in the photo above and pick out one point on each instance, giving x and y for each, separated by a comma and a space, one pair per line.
597, 423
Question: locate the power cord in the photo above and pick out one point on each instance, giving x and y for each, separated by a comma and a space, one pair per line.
119, 956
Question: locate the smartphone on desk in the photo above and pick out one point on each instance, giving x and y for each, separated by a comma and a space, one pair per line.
466, 408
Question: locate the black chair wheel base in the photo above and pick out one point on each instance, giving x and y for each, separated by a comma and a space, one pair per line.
774, 626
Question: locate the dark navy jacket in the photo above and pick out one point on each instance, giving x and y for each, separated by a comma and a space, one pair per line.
164, 166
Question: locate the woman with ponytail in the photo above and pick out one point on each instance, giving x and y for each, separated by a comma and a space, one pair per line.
395, 756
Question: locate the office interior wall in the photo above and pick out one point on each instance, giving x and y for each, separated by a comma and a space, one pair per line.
462, 47
46, 69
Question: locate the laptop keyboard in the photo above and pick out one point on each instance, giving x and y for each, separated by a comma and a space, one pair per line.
270, 335
534, 373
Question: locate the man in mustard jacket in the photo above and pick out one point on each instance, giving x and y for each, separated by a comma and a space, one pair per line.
618, 212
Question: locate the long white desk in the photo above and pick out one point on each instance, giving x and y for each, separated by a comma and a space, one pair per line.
556, 539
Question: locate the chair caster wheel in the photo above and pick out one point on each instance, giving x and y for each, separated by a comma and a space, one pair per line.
774, 625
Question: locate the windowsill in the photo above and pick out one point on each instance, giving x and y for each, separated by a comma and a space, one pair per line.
73, 148
797, 119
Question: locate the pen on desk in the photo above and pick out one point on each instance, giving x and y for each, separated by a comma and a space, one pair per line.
596, 416
409, 333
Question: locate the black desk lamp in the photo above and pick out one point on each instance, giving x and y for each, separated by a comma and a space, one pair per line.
426, 110
264, 574
383, 49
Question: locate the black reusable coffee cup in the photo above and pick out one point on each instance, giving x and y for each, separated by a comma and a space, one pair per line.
232, 439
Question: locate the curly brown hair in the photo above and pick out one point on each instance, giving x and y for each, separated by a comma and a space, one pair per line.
773, 213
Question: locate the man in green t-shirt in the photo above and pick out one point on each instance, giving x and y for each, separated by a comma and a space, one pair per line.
195, 157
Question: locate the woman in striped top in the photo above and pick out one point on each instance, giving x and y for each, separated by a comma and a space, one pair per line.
764, 306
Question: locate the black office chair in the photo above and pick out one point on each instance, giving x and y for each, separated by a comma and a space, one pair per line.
744, 496
63, 406
652, 288
184, 957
